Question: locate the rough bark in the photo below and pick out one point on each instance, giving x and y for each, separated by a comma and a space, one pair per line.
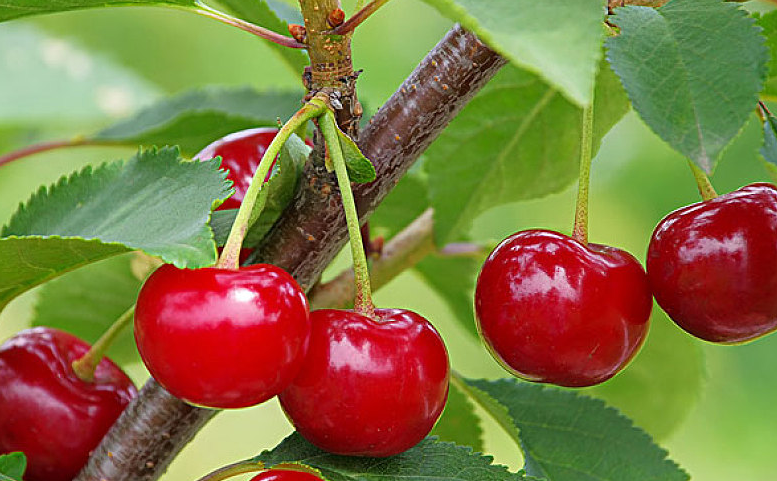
157, 426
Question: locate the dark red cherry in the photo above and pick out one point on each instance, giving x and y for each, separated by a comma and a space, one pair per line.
285, 475
553, 310
48, 412
222, 338
369, 387
713, 265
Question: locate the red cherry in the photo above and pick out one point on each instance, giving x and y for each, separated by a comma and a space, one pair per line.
47, 411
713, 265
285, 475
222, 338
369, 387
553, 310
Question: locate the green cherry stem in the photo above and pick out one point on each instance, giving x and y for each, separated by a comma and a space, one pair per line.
580, 230
260, 32
363, 302
85, 366
255, 196
706, 190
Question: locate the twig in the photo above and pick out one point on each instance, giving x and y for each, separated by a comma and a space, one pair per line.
358, 17
261, 32
42, 147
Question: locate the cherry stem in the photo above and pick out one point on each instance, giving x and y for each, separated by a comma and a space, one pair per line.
255, 196
363, 302
357, 18
241, 467
260, 32
45, 147
702, 182
580, 230
85, 366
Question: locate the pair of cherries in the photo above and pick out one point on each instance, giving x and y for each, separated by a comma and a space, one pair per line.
553, 310
224, 338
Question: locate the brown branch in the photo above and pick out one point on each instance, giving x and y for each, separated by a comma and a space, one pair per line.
157, 426
42, 147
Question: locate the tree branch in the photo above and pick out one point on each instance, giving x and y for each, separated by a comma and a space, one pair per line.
156, 425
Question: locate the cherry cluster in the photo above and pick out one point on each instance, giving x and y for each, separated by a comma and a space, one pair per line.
554, 310
550, 309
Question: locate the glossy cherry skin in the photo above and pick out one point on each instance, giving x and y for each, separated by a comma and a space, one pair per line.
713, 265
369, 387
47, 411
222, 338
555, 311
285, 475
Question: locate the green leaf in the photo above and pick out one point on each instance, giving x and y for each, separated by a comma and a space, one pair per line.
459, 423
10, 9
568, 437
359, 167
670, 362
695, 89
259, 12
155, 202
195, 118
518, 139
88, 87
453, 278
12, 466
768, 22
87, 301
557, 39
429, 460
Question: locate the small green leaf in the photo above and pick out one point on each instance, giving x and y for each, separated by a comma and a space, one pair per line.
459, 424
259, 12
155, 202
87, 301
568, 437
428, 460
557, 39
518, 139
10, 9
196, 118
694, 89
12, 466
360, 169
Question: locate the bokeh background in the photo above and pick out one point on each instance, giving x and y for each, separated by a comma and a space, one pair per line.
713, 408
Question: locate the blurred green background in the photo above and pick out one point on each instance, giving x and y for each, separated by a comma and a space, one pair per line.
712, 407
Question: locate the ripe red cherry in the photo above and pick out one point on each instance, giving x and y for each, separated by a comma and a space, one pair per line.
555, 311
47, 411
285, 475
713, 265
222, 338
369, 387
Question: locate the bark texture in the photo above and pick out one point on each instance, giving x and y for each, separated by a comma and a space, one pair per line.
156, 425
